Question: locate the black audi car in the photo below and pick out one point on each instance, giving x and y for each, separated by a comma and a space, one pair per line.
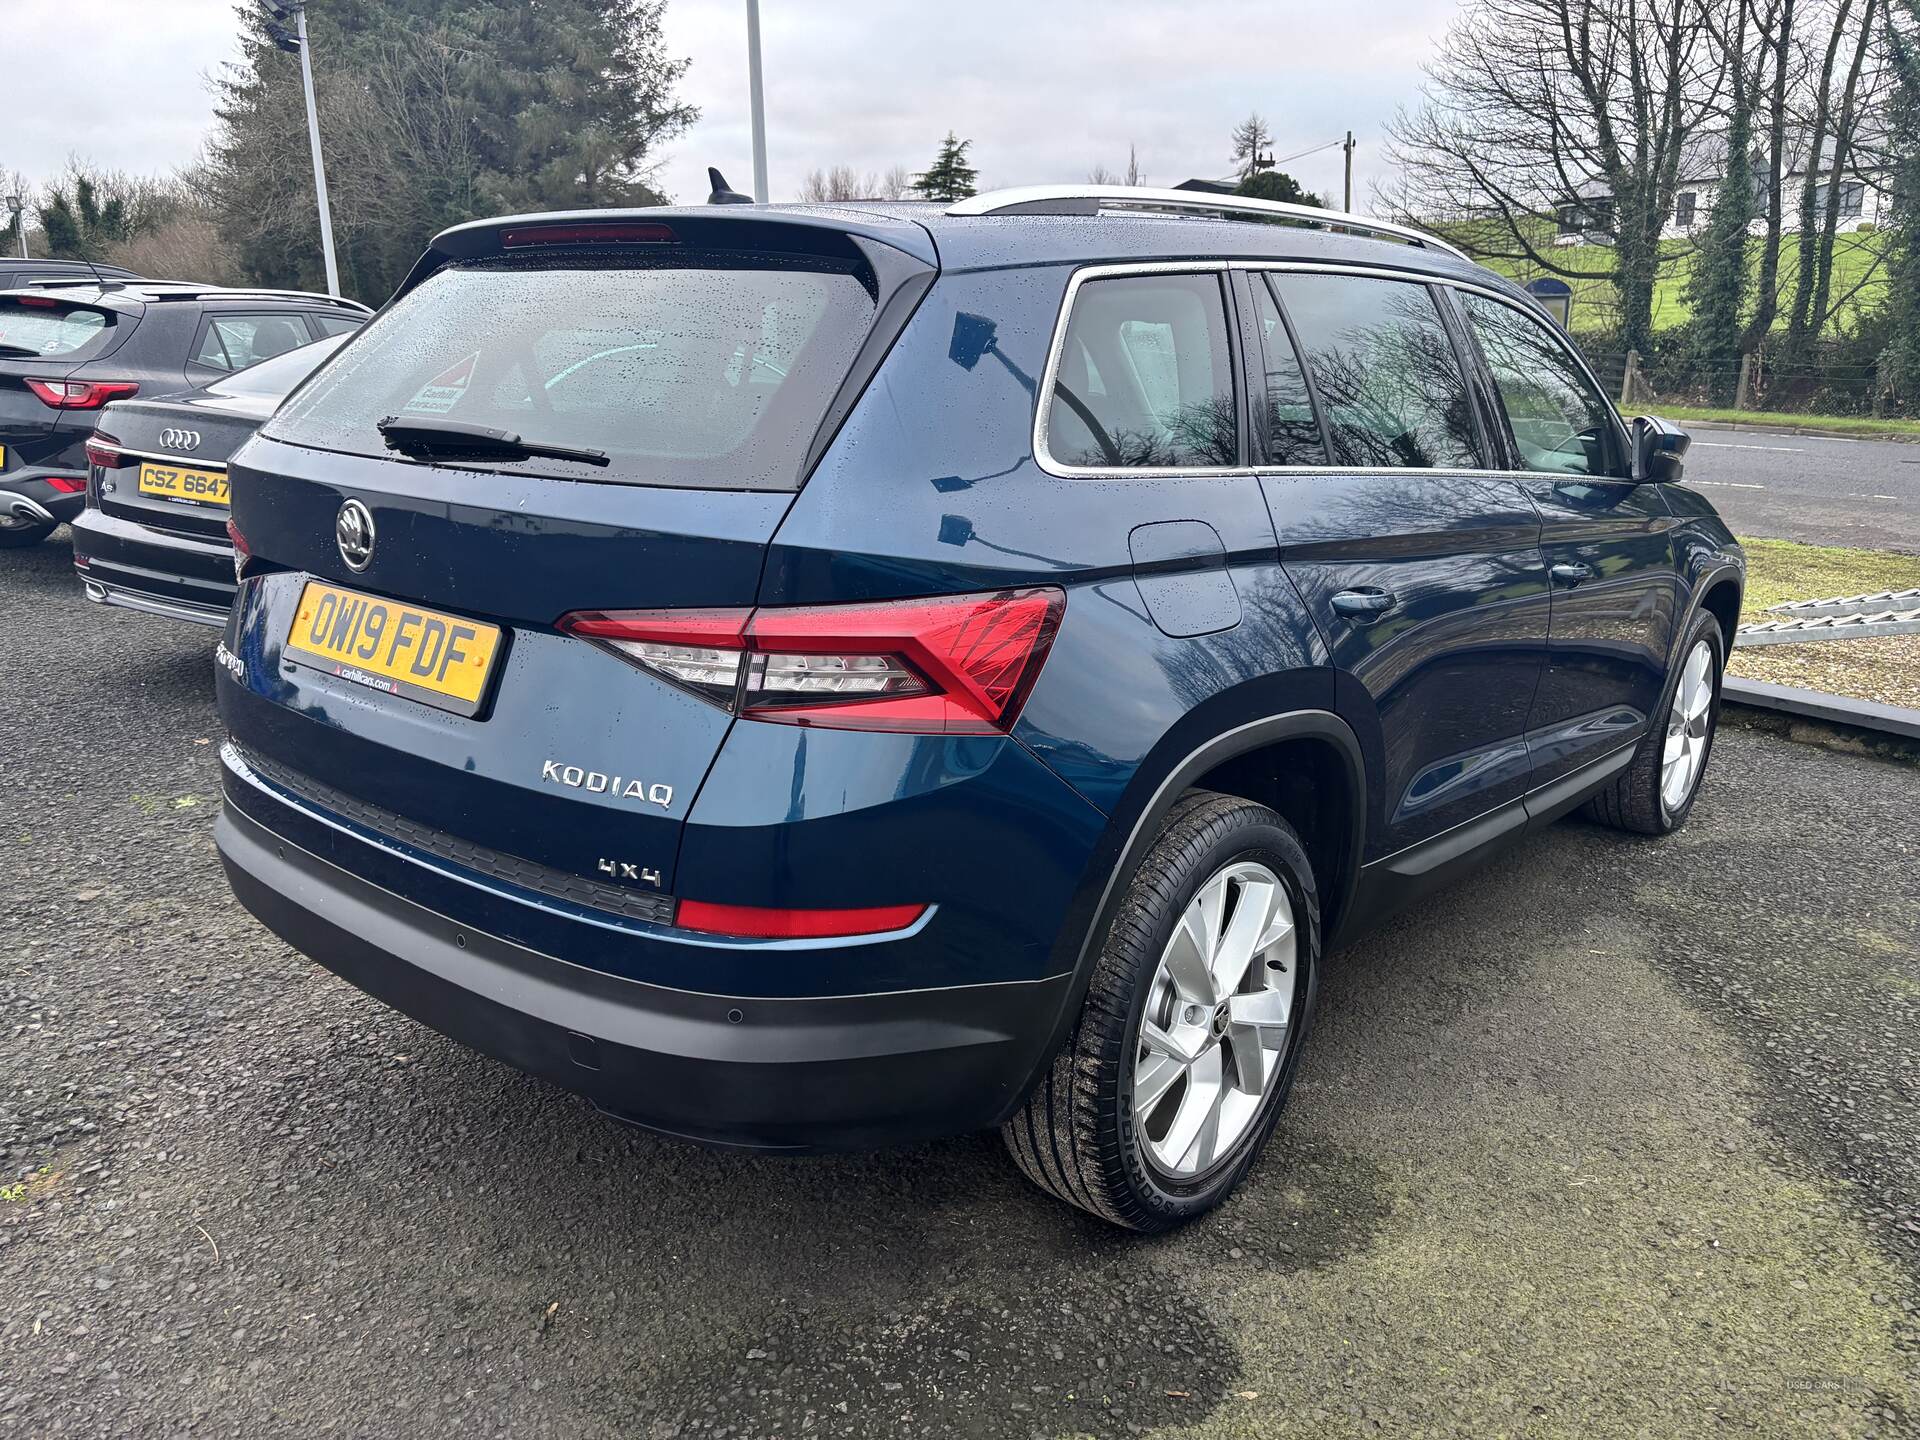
153, 535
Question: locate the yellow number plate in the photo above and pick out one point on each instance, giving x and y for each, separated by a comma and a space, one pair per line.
207, 487
439, 660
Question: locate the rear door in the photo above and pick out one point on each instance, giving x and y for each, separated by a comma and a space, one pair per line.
1616, 592
692, 384
1422, 569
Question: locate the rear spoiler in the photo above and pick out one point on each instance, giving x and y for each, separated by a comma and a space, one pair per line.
891, 249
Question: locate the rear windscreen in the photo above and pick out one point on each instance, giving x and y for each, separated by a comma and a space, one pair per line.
709, 376
31, 327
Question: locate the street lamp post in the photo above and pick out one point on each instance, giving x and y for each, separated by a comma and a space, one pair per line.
757, 105
295, 42
19, 209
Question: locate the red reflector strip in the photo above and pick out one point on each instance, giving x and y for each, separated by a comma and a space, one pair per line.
754, 922
588, 234
67, 485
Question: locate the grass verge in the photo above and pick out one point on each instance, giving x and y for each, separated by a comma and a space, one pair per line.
1863, 425
1885, 669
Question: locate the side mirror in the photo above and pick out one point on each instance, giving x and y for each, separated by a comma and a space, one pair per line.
1659, 451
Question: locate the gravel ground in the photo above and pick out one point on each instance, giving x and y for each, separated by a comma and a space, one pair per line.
1884, 669
1615, 1138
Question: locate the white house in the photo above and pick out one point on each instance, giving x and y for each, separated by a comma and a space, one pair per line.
1865, 199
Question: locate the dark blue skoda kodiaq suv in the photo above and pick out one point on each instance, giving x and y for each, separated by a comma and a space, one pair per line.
814, 677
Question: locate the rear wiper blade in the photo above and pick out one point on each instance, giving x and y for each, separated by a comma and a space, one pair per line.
452, 439
26, 350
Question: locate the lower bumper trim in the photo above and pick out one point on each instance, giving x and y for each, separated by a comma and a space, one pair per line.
788, 1073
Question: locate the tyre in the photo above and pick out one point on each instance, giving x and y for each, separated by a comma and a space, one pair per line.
1186, 1045
18, 534
1655, 794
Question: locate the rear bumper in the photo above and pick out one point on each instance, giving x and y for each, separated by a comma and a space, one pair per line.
33, 484
777, 1073
123, 562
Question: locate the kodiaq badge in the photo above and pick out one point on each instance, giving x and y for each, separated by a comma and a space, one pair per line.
180, 439
598, 782
353, 533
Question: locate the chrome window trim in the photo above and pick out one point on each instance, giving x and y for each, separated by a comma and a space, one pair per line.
1044, 402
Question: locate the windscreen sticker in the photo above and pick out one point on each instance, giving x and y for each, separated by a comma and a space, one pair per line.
443, 391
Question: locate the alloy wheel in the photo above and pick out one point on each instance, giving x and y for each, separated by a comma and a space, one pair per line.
1217, 1018
1687, 722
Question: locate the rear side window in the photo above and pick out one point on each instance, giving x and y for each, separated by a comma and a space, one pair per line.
713, 377
49, 330
1391, 389
272, 379
337, 324
1560, 422
233, 342
1145, 377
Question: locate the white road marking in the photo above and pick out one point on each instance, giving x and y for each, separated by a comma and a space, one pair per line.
1727, 484
1723, 445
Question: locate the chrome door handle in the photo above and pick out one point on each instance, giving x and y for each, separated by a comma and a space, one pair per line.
1363, 605
1571, 575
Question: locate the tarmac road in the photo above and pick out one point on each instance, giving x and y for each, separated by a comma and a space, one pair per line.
1811, 488
1615, 1138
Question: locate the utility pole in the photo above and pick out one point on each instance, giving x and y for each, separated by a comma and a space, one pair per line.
1347, 145
295, 42
758, 105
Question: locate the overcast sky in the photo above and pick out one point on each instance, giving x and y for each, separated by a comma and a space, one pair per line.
1045, 89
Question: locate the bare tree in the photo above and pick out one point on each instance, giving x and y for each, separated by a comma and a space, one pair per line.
896, 182
1252, 141
1534, 106
1827, 148
1101, 175
843, 182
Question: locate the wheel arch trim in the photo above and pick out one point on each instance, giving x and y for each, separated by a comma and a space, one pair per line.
1307, 724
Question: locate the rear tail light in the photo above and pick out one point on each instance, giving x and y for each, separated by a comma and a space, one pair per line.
81, 394
105, 451
953, 665
753, 922
242, 552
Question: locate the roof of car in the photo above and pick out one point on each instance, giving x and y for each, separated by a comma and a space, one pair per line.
1014, 228
60, 263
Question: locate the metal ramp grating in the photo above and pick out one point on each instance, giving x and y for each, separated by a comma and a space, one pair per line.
1842, 617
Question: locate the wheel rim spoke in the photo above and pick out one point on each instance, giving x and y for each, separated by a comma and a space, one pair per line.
1252, 917
1156, 1075
1186, 958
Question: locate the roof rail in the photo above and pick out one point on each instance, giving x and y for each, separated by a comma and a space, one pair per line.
187, 290
1112, 199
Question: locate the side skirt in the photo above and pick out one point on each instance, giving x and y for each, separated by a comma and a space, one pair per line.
1395, 881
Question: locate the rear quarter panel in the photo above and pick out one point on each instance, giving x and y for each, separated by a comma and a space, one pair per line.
932, 486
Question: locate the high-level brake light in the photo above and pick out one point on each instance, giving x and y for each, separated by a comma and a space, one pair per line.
952, 664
